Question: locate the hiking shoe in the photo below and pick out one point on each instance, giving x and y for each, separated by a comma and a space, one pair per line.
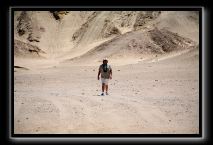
107, 93
102, 94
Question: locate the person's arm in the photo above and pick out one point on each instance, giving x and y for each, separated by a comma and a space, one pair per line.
110, 73
99, 72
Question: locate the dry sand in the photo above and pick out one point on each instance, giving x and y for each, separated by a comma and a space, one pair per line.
155, 97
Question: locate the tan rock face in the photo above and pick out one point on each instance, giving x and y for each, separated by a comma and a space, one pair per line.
144, 17
74, 34
22, 49
58, 15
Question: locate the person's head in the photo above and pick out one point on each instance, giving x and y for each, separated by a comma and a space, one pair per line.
105, 61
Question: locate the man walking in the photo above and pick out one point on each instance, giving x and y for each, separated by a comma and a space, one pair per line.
106, 73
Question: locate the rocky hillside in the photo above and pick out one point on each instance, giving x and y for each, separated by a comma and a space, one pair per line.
70, 35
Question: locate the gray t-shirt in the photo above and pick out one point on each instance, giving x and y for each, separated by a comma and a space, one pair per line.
106, 74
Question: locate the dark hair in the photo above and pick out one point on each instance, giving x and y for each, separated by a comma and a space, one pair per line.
105, 60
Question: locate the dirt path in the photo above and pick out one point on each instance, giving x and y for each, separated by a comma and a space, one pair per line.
160, 97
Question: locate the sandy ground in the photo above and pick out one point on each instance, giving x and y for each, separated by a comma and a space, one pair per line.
156, 97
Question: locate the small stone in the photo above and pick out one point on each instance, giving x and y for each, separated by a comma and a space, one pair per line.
156, 80
119, 70
27, 118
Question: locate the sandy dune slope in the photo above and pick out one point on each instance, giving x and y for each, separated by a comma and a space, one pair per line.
78, 32
136, 46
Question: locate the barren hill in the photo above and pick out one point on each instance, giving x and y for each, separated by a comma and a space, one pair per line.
92, 35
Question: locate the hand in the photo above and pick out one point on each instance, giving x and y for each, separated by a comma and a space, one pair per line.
98, 78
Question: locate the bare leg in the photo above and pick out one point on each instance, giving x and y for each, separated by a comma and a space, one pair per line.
107, 88
103, 85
